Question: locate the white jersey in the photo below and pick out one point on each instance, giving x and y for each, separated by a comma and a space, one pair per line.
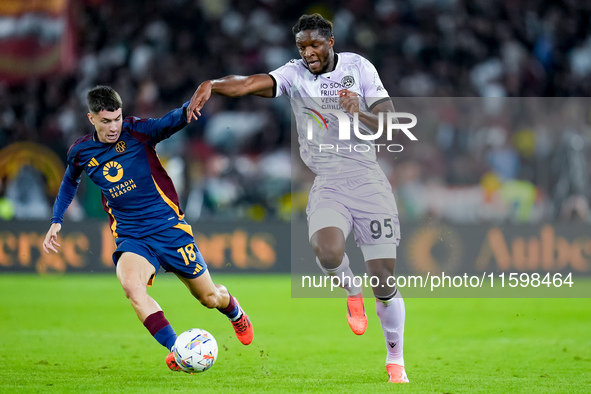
313, 97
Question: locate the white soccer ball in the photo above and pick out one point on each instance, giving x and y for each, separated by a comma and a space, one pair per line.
195, 350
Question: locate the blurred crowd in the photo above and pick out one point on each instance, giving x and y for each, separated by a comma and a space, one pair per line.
517, 159
487, 163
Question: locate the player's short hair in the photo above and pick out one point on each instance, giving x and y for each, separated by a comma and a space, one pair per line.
102, 98
313, 22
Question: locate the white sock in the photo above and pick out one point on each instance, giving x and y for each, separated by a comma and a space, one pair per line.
392, 314
344, 273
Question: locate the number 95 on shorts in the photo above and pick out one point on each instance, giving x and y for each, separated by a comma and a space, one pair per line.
377, 229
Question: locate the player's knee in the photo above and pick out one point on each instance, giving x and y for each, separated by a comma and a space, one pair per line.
132, 289
209, 300
330, 256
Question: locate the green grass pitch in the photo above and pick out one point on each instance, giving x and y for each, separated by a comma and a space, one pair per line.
78, 333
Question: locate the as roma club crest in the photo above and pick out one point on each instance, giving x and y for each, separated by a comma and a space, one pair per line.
120, 147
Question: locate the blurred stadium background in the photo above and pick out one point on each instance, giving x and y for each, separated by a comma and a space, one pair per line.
525, 177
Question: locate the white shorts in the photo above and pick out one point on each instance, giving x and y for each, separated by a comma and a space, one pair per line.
364, 203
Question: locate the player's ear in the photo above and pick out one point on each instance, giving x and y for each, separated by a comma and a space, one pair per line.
90, 118
331, 41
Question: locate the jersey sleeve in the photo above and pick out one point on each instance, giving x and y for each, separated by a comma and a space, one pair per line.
283, 77
372, 88
158, 129
68, 189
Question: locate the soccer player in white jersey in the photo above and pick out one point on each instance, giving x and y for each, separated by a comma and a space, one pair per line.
350, 191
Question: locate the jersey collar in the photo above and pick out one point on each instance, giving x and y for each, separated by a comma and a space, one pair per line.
336, 61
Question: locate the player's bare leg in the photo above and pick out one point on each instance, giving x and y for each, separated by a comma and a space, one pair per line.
134, 273
390, 310
206, 292
217, 296
329, 246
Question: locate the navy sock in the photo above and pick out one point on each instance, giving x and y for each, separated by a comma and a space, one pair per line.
160, 329
232, 310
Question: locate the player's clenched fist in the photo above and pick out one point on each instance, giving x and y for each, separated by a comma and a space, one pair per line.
349, 101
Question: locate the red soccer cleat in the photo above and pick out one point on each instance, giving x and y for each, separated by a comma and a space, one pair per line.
243, 327
397, 373
172, 364
356, 316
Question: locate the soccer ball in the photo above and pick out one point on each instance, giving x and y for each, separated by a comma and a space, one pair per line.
195, 350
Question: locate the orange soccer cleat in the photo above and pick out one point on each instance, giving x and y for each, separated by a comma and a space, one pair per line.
356, 316
397, 373
243, 327
172, 364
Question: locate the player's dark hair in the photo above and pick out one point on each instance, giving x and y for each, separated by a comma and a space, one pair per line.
102, 98
313, 22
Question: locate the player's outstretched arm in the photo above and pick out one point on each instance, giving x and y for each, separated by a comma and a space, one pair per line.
50, 241
230, 86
